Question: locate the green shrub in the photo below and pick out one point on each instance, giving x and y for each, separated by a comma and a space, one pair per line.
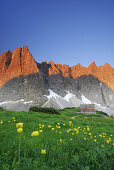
44, 110
102, 113
1, 108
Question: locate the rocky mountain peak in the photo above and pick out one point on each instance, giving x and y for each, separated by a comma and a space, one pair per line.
19, 62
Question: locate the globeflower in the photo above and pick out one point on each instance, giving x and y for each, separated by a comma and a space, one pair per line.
19, 125
60, 140
35, 133
19, 130
108, 141
64, 124
70, 123
43, 151
52, 128
40, 131
49, 126
1, 122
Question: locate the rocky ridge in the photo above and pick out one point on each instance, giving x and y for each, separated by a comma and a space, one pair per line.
20, 62
26, 81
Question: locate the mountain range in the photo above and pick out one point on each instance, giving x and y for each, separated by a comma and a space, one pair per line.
24, 82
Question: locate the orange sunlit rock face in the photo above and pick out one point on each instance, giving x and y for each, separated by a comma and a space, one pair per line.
20, 62
12, 65
104, 73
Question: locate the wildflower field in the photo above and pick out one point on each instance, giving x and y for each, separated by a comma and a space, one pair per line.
31, 140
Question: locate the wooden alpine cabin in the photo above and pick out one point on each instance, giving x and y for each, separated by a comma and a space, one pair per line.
87, 108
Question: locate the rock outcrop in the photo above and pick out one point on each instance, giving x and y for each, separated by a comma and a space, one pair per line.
16, 64
22, 79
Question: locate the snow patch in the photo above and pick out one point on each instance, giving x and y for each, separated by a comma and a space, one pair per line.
12, 102
85, 100
100, 84
68, 96
52, 94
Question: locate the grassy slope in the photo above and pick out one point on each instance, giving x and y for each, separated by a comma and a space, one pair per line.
78, 151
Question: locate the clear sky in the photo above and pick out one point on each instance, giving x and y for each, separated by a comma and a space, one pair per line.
65, 31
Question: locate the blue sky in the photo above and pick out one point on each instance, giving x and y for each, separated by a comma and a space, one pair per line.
65, 31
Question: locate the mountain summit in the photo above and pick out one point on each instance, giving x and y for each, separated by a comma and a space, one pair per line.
20, 62
53, 85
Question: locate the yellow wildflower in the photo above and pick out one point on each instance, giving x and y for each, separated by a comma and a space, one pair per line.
9, 121
85, 138
77, 132
40, 131
102, 146
72, 133
58, 124
64, 124
52, 128
49, 126
58, 127
107, 141
19, 125
35, 133
60, 132
110, 135
13, 117
19, 130
1, 122
75, 129
60, 140
67, 131
88, 129
71, 139
90, 134
42, 126
70, 123
43, 151
95, 140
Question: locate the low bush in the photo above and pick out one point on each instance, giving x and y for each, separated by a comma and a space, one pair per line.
102, 113
1, 108
44, 110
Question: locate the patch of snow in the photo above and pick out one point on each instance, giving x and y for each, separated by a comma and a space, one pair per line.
100, 84
27, 102
85, 100
68, 96
52, 94
11, 102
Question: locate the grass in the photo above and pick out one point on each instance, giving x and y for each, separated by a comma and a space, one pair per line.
85, 143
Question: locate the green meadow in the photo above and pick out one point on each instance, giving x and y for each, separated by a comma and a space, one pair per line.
56, 141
